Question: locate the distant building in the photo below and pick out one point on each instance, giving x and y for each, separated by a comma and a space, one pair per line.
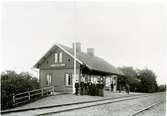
56, 68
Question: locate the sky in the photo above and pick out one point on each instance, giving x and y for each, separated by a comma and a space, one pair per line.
124, 33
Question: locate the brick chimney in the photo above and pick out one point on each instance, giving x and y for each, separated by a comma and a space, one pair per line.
78, 46
90, 51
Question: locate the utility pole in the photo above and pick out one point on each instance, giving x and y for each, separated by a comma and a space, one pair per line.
74, 76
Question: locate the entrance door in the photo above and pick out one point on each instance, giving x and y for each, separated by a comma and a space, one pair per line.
68, 79
68, 83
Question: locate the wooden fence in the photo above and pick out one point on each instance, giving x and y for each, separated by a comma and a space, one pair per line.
28, 96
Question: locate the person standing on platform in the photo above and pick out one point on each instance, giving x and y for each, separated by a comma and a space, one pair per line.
127, 88
82, 87
101, 90
93, 89
90, 88
86, 88
76, 87
112, 86
98, 88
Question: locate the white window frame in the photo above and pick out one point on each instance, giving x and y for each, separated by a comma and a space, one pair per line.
56, 57
92, 79
108, 81
60, 57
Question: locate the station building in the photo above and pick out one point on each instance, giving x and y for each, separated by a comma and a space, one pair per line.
56, 68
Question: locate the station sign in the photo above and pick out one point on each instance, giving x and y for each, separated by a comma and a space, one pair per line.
57, 65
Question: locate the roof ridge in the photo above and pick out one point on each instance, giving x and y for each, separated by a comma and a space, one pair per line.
92, 62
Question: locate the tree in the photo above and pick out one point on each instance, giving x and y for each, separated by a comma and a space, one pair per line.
148, 81
13, 83
162, 88
130, 78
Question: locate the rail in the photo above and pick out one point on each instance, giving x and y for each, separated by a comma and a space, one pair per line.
37, 110
29, 95
147, 108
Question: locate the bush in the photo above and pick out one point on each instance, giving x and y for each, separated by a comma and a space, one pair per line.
148, 82
130, 78
162, 88
139, 80
13, 83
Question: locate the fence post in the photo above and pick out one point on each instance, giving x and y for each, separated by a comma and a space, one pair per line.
13, 99
29, 97
42, 92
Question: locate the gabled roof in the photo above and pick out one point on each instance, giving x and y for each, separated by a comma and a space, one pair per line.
92, 62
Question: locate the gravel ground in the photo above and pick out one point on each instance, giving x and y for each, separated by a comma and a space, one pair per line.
69, 98
159, 110
124, 108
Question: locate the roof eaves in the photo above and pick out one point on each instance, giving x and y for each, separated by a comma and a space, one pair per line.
69, 53
73, 56
35, 66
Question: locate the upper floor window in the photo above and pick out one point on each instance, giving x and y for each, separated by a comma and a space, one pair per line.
56, 57
60, 57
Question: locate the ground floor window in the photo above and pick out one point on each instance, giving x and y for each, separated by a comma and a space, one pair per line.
108, 81
68, 79
89, 78
86, 78
48, 79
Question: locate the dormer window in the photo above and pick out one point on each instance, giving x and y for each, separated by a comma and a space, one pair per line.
56, 57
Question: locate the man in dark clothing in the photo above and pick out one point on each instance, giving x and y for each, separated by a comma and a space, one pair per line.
90, 88
76, 87
101, 89
98, 88
127, 88
93, 89
82, 87
120, 88
86, 88
112, 86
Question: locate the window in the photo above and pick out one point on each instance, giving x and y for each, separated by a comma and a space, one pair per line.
86, 79
89, 78
56, 57
68, 79
92, 79
108, 81
60, 57
48, 79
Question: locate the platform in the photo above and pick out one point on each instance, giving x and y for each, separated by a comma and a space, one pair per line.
59, 98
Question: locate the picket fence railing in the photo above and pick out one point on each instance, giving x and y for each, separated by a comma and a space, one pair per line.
30, 95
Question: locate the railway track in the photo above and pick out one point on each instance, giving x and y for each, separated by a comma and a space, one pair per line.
96, 104
147, 108
75, 106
